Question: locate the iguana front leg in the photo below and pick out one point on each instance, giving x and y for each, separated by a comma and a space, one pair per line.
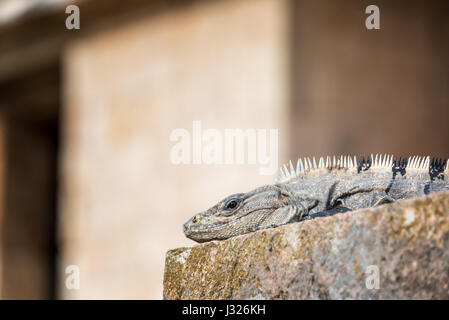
294, 210
340, 199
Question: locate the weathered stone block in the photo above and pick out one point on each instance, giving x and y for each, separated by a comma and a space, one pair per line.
335, 257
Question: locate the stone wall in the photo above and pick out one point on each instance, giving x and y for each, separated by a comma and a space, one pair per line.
369, 91
126, 90
394, 251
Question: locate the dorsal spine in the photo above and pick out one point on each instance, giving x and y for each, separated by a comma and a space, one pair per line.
306, 165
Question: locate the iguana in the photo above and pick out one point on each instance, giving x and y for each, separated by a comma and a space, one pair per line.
333, 185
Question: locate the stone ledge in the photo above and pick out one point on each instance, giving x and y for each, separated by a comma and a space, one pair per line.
325, 258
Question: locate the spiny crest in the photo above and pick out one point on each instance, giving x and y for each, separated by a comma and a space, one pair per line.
363, 163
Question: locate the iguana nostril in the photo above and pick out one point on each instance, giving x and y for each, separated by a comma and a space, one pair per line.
195, 219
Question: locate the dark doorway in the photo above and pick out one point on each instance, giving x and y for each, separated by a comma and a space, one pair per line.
29, 113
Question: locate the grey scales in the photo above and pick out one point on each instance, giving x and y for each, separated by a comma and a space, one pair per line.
333, 185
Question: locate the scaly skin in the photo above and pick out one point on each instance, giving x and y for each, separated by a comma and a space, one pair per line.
321, 190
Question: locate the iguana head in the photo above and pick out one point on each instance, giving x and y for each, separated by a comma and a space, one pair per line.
240, 213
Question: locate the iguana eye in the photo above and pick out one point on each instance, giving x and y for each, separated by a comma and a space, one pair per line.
231, 204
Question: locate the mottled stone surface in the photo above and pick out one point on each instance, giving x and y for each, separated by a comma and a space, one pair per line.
325, 258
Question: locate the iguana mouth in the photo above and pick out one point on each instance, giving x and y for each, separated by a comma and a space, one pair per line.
217, 226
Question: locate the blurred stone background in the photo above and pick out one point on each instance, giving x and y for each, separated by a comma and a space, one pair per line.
86, 115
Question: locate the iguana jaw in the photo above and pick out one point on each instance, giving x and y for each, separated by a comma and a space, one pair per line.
256, 210
219, 230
